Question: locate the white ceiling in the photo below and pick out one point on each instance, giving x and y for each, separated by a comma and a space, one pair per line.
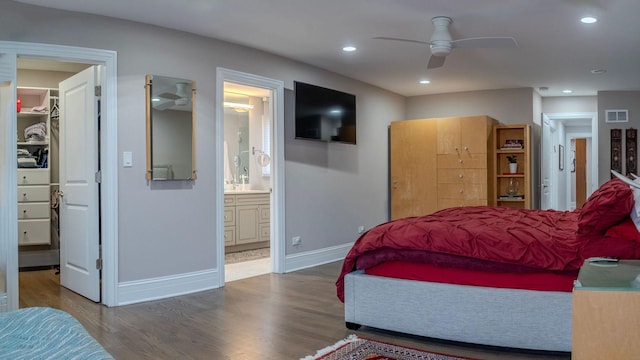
555, 50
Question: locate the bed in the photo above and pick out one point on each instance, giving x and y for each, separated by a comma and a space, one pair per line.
46, 333
530, 248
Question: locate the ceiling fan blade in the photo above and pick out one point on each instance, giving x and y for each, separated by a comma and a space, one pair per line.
435, 62
164, 105
169, 96
485, 42
404, 40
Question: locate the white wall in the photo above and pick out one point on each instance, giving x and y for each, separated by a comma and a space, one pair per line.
167, 228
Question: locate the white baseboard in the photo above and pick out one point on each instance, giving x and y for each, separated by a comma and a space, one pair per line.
316, 257
132, 292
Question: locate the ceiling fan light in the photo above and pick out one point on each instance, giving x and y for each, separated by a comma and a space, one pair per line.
440, 48
181, 90
182, 101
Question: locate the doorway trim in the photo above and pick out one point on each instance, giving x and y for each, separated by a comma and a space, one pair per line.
277, 163
108, 162
567, 117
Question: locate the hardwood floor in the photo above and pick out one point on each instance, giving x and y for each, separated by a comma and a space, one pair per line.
274, 316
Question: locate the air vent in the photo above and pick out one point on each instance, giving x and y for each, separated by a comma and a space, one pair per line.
617, 116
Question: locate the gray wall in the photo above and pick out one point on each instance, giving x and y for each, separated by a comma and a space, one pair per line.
614, 100
167, 229
508, 106
563, 104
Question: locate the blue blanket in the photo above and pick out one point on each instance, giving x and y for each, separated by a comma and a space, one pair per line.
45, 333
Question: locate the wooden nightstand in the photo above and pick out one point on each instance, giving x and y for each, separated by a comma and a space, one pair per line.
606, 311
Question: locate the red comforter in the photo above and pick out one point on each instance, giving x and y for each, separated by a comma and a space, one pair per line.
537, 239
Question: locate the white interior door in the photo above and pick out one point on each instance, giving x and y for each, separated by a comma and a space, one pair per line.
79, 214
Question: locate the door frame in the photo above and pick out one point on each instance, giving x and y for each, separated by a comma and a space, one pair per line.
108, 163
277, 243
593, 177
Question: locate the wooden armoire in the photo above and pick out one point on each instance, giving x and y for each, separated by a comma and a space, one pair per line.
439, 163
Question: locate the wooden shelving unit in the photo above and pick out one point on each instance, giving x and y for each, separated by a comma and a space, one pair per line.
512, 188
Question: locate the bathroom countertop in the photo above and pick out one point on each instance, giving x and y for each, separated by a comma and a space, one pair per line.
240, 192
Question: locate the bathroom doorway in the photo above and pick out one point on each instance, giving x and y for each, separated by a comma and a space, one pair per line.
248, 117
247, 180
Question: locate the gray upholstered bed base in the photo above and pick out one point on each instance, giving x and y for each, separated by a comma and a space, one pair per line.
526, 319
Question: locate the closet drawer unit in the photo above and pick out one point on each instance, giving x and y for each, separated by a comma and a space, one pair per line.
229, 236
454, 176
463, 191
33, 177
449, 203
33, 193
33, 211
229, 216
464, 160
264, 232
34, 232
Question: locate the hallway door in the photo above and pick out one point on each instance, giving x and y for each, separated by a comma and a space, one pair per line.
581, 172
79, 205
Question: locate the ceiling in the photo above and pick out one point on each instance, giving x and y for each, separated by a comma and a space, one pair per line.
555, 50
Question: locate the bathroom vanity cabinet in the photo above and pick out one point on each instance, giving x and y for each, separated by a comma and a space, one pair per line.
246, 221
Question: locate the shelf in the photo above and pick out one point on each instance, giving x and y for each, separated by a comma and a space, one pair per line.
504, 134
32, 113
33, 143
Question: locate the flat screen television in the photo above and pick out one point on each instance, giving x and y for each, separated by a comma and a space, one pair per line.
324, 114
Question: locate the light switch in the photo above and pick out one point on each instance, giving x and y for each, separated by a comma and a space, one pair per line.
127, 159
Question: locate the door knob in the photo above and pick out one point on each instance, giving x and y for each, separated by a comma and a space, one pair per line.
60, 193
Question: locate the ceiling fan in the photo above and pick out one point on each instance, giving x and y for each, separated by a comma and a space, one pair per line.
180, 98
441, 42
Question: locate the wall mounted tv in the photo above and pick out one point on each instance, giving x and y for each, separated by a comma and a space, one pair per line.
324, 114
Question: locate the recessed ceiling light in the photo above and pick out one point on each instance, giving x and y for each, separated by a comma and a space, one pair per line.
543, 88
588, 20
567, 91
425, 82
349, 48
598, 71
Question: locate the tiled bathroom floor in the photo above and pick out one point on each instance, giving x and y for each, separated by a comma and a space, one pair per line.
247, 269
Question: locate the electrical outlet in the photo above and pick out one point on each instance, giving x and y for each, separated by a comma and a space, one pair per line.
296, 240
360, 229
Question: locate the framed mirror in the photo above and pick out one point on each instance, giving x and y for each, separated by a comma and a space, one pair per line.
170, 104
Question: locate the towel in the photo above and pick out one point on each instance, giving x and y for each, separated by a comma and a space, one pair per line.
36, 132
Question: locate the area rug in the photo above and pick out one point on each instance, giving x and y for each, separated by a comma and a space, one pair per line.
248, 255
356, 348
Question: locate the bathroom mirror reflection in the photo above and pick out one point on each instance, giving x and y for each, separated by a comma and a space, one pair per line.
246, 138
170, 131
